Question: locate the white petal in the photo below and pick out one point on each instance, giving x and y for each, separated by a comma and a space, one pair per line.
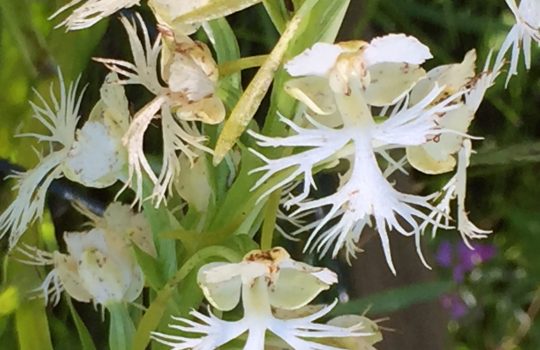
209, 110
390, 82
529, 10
96, 158
32, 188
296, 287
317, 61
187, 77
223, 294
106, 278
453, 77
203, 333
314, 92
167, 10
133, 228
78, 242
396, 48
359, 342
423, 161
67, 270
112, 110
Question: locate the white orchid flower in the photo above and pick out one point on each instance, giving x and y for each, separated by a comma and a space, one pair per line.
99, 265
191, 76
91, 12
124, 225
440, 153
522, 35
92, 155
264, 280
356, 80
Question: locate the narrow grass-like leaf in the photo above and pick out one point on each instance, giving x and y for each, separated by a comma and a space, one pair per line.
521, 153
84, 335
248, 104
152, 273
395, 299
278, 13
121, 328
32, 326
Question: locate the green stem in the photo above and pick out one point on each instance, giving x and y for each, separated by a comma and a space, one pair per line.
269, 224
231, 67
150, 321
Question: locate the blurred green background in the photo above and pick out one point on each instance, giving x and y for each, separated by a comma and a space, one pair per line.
499, 297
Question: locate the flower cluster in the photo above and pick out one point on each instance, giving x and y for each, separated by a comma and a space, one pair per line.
368, 111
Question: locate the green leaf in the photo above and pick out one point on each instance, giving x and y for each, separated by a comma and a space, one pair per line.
242, 244
250, 101
278, 13
395, 299
226, 46
161, 221
239, 202
323, 24
30, 315
152, 272
31, 319
528, 152
121, 328
9, 300
84, 336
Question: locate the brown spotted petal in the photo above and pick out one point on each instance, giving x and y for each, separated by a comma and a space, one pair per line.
107, 269
453, 77
67, 270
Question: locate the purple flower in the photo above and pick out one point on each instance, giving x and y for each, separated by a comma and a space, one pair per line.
463, 259
455, 306
469, 258
444, 254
